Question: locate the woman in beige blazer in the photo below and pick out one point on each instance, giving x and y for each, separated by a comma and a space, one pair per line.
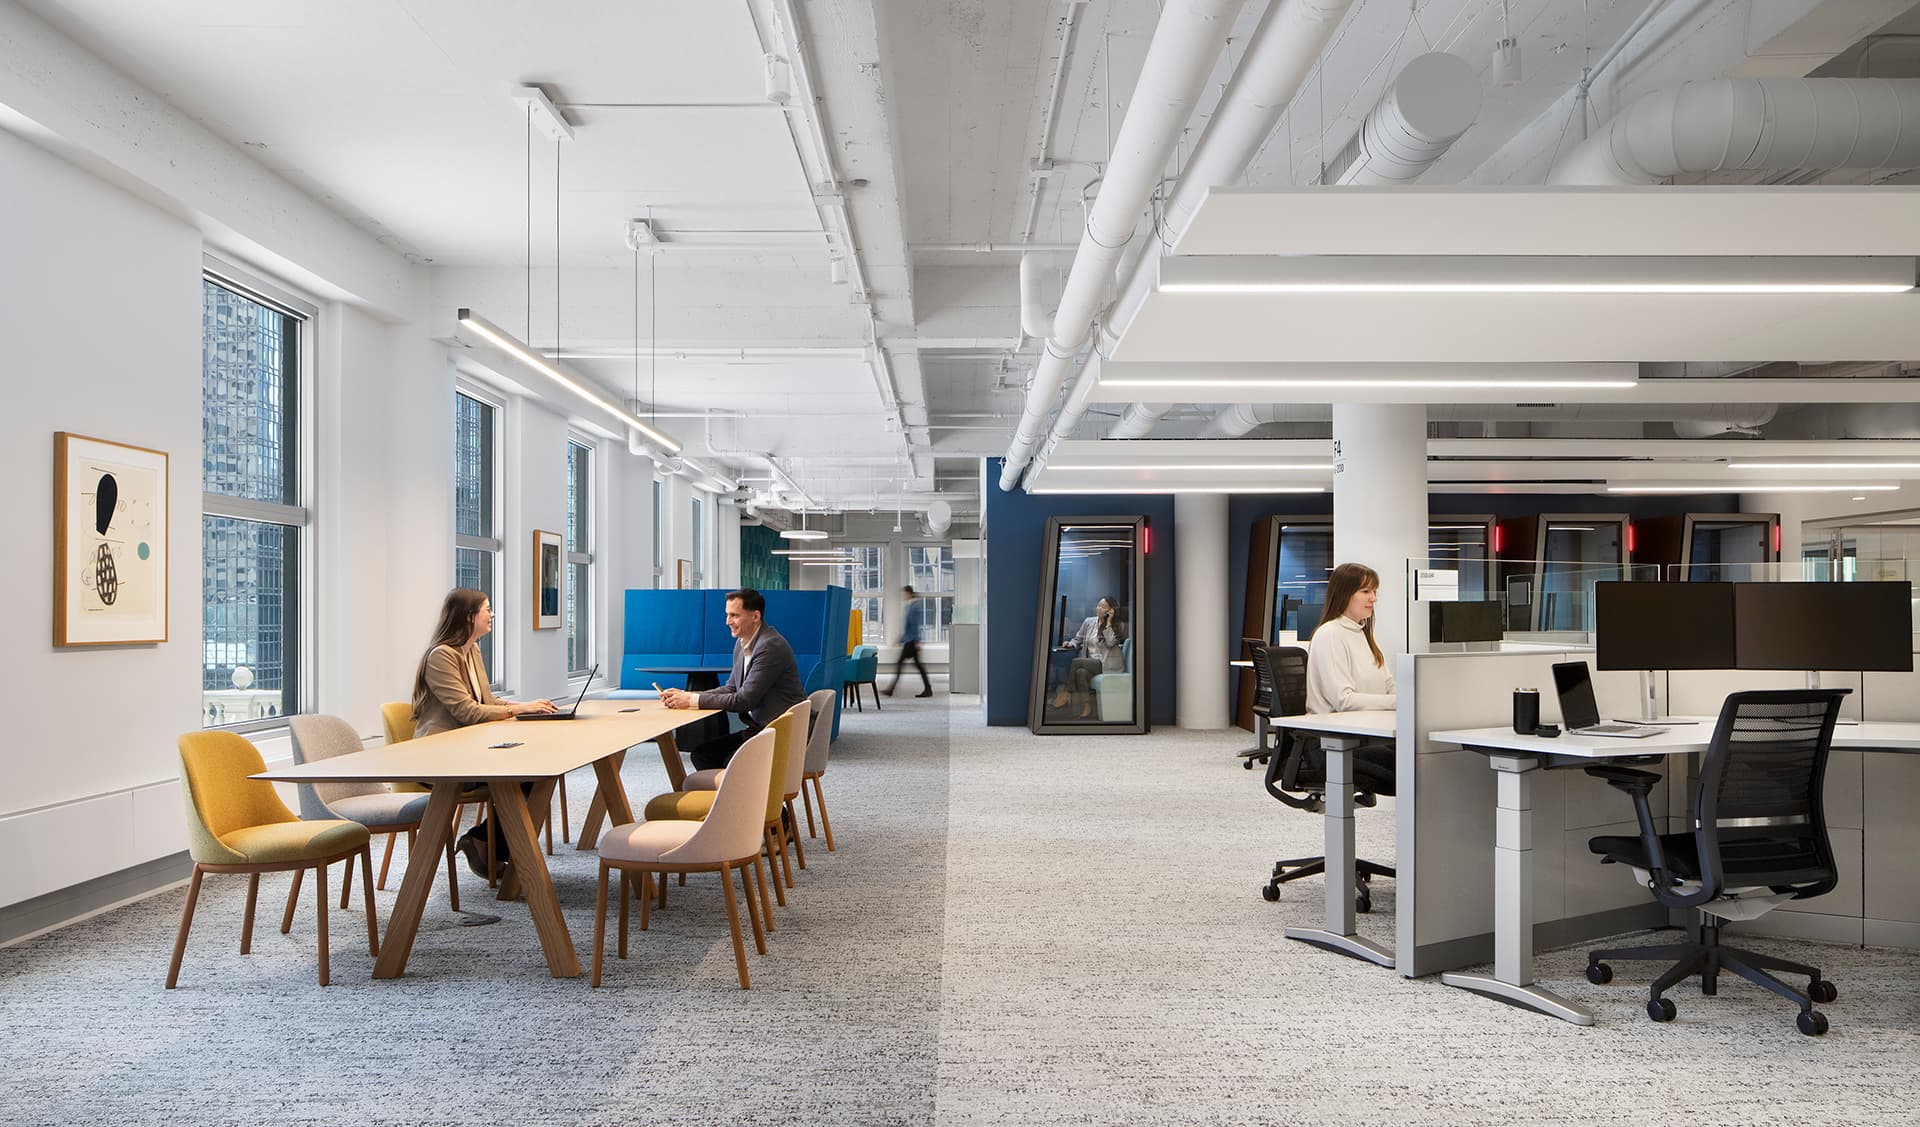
452, 689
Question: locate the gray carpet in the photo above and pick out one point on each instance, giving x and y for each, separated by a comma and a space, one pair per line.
1014, 930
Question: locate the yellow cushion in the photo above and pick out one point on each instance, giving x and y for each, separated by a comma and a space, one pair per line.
295, 841
680, 805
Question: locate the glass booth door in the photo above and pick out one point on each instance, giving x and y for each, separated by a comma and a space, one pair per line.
1090, 641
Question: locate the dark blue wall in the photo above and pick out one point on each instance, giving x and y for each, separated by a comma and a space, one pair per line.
1016, 525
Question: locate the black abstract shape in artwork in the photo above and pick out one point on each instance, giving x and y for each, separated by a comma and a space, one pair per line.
106, 580
106, 496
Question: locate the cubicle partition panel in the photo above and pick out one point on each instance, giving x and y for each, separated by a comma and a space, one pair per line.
1444, 892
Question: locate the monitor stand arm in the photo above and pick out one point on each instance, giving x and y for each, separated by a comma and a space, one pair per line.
1649, 697
1813, 678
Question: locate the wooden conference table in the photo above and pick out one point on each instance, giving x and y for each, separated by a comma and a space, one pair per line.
546, 750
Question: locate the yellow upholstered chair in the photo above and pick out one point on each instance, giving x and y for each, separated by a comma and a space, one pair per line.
237, 824
727, 840
856, 627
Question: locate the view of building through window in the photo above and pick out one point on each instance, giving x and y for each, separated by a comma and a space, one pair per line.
577, 608
866, 577
476, 537
252, 522
930, 571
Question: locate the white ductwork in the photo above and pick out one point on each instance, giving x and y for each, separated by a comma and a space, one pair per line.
1747, 419
1139, 420
1242, 418
1837, 421
1433, 101
1753, 123
1033, 308
939, 517
1186, 42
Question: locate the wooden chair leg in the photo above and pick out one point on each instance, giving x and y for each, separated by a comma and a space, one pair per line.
320, 914
566, 820
366, 884
346, 884
733, 922
760, 882
493, 850
646, 900
386, 858
599, 924
786, 859
549, 829
186, 923
753, 907
806, 800
773, 864
293, 897
246, 923
453, 876
825, 825
626, 893
793, 820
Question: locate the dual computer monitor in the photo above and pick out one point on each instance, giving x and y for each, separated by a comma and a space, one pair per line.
1789, 626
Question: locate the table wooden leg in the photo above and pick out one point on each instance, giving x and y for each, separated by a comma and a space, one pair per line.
612, 793
530, 868
436, 832
670, 758
597, 810
539, 808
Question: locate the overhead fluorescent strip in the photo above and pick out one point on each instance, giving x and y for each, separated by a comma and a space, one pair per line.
1531, 274
1753, 487
1227, 376
555, 371
1864, 464
1173, 488
1216, 467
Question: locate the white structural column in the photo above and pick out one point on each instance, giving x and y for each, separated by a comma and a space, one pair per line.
1201, 636
1380, 506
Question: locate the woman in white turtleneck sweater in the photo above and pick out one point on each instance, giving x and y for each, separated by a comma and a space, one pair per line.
1346, 672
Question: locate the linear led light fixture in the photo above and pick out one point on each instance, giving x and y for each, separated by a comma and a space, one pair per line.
1174, 488
1532, 274
1753, 487
1248, 467
512, 346
1150, 375
1863, 465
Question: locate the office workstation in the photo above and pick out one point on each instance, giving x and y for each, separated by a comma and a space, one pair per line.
414, 405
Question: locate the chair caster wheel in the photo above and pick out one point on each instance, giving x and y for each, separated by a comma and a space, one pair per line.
1820, 990
1270, 892
1662, 1009
1247, 764
1811, 1022
1363, 903
1600, 974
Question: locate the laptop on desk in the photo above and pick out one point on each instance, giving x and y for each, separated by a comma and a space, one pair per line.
1580, 714
571, 712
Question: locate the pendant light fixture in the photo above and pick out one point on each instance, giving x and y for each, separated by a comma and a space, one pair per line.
803, 532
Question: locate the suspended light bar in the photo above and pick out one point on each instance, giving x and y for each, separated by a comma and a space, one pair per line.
1144, 376
1863, 464
1754, 487
1173, 488
553, 370
1214, 467
1531, 274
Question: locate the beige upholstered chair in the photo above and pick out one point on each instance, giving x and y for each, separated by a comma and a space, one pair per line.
237, 824
794, 779
819, 742
728, 840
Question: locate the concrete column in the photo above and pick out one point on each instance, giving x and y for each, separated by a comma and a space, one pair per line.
1380, 506
1201, 635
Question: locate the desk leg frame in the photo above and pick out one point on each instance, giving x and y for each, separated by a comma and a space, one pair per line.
1512, 977
1339, 933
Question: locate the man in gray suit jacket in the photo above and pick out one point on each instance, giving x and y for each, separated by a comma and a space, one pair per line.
765, 681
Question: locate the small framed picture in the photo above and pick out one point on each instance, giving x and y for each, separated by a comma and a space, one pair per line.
546, 580
683, 574
109, 543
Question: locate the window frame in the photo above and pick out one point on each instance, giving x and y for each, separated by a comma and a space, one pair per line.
299, 619
495, 544
869, 624
907, 549
659, 540
698, 537
581, 517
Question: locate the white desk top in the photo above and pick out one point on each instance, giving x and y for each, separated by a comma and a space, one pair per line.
1681, 740
1378, 723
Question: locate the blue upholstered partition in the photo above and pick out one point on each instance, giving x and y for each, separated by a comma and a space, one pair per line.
663, 628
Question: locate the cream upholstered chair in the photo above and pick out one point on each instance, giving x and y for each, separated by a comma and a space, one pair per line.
728, 840
819, 742
790, 786
237, 824
373, 805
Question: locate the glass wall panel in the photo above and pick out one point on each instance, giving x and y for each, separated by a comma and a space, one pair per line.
1305, 559
1728, 551
1088, 673
1575, 554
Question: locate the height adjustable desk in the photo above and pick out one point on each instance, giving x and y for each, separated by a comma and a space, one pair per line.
1514, 758
1341, 734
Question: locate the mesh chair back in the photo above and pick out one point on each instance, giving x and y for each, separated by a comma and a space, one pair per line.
1262, 683
1759, 809
1288, 666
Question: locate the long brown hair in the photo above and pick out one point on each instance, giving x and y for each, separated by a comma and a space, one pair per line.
1346, 581
456, 626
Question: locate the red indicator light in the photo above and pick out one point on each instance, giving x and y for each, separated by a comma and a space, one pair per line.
1629, 538
1146, 540
1497, 538
1776, 539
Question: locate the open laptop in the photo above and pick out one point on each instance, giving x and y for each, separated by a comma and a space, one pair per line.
570, 713
1579, 713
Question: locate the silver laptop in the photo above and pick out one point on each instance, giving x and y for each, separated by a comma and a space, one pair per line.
569, 713
1579, 713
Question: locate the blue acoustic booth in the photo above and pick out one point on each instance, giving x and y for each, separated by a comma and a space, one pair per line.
689, 628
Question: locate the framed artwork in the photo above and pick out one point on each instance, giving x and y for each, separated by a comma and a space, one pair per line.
546, 580
682, 575
109, 543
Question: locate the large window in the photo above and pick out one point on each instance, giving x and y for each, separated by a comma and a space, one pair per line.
253, 522
866, 577
476, 535
579, 603
930, 571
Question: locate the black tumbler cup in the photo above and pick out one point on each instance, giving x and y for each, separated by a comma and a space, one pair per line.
1526, 711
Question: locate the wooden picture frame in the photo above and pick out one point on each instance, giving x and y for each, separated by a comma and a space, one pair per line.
109, 542
549, 567
682, 575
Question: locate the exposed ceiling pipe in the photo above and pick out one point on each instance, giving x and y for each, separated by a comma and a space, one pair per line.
1280, 55
1042, 165
1434, 100
1752, 123
1139, 420
1242, 418
1835, 421
1033, 307
1186, 42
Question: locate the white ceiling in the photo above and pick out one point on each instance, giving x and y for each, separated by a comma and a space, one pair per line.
398, 115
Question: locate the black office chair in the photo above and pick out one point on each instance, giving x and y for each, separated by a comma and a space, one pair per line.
1297, 773
1263, 743
1759, 840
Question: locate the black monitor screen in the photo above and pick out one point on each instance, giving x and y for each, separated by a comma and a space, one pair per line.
1309, 620
1663, 625
1465, 622
1815, 626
